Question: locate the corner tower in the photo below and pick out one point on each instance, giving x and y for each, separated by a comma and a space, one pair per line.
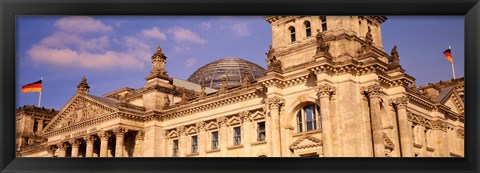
294, 37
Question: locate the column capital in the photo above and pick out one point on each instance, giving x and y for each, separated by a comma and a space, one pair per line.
325, 90
399, 102
460, 133
62, 145
275, 102
51, 149
89, 139
104, 135
140, 135
222, 121
439, 125
372, 90
245, 116
200, 126
74, 142
120, 131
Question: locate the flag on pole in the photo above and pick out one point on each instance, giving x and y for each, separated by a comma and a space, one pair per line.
33, 87
448, 55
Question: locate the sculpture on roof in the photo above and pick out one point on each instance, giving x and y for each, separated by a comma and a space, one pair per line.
273, 64
245, 81
394, 58
321, 45
158, 63
224, 85
367, 47
83, 87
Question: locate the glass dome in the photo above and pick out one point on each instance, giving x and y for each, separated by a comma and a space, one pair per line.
232, 68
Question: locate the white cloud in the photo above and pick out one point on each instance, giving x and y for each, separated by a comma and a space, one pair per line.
185, 35
205, 25
190, 62
81, 24
179, 48
70, 58
63, 40
240, 29
154, 33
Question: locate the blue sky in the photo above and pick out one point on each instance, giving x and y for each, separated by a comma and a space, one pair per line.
114, 51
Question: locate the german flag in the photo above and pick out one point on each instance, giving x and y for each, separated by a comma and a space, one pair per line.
448, 55
33, 87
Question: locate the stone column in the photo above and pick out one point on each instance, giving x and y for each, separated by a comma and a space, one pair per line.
182, 141
247, 132
74, 143
439, 131
324, 93
274, 105
460, 137
61, 149
202, 138
373, 92
406, 140
104, 136
51, 150
89, 140
139, 138
120, 135
223, 136
40, 125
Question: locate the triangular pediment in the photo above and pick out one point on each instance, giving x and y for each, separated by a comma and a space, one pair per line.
306, 142
234, 120
80, 108
454, 101
258, 115
212, 125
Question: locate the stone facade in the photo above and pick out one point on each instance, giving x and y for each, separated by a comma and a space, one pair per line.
335, 93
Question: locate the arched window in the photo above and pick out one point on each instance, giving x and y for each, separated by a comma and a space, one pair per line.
292, 33
308, 29
309, 118
323, 19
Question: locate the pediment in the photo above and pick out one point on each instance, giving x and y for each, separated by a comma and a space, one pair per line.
258, 115
454, 101
234, 120
80, 108
172, 134
191, 130
212, 125
306, 142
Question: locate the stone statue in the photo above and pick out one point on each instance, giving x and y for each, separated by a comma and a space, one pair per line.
245, 81
167, 101
394, 61
273, 64
367, 47
224, 85
321, 45
202, 87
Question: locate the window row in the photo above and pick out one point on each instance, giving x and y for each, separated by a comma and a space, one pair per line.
308, 28
214, 139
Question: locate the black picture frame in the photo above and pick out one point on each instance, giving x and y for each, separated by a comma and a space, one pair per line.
10, 8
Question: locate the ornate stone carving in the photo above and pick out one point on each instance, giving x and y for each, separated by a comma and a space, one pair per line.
245, 116
202, 92
62, 145
103, 135
325, 90
80, 110
158, 63
245, 81
394, 58
184, 99
182, 130
273, 64
367, 46
140, 135
373, 90
224, 86
83, 87
120, 131
222, 121
439, 125
167, 101
460, 133
75, 143
321, 45
274, 102
89, 139
400, 102
200, 126
51, 149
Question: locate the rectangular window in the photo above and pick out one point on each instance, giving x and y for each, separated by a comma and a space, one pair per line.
311, 119
261, 131
175, 147
299, 122
237, 136
214, 140
324, 23
194, 144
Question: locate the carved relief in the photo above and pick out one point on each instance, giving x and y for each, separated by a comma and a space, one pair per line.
306, 142
182, 130
274, 102
80, 110
372, 90
222, 121
325, 90
400, 102
245, 116
200, 126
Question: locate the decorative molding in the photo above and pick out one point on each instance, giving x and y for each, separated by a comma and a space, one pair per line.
245, 116
103, 135
275, 102
374, 90
120, 131
325, 90
399, 102
296, 145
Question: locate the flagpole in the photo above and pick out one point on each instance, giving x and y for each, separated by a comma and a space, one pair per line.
453, 68
40, 95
